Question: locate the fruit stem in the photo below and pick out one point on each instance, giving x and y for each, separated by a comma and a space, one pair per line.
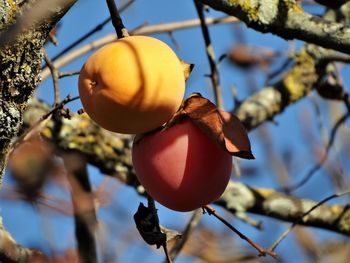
117, 20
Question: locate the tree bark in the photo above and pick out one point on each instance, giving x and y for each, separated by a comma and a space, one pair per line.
288, 20
20, 60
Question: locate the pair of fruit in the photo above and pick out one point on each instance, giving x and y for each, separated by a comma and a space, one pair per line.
136, 85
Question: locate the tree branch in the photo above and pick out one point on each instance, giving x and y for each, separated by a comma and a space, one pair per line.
240, 197
288, 20
84, 207
309, 68
23, 31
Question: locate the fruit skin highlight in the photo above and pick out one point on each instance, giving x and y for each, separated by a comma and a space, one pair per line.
181, 167
132, 85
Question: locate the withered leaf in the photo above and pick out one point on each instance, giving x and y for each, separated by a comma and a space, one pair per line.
187, 68
223, 127
170, 233
235, 136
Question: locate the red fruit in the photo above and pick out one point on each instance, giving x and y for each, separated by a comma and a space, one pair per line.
181, 167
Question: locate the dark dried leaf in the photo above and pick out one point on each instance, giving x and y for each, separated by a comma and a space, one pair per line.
148, 227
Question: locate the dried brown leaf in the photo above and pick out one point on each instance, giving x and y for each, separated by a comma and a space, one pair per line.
235, 136
223, 127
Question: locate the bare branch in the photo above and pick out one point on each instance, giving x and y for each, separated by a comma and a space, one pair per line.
262, 251
68, 74
84, 206
211, 56
288, 20
55, 77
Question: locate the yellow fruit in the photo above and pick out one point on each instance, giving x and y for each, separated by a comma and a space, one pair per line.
132, 85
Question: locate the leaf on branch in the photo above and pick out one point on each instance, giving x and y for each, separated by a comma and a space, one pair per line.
223, 127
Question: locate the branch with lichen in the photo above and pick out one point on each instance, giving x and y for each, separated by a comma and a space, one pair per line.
26, 28
308, 70
111, 153
268, 202
288, 20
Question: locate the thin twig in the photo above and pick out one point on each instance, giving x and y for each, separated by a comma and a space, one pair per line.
151, 205
210, 54
27, 134
296, 222
117, 20
270, 76
99, 27
319, 165
262, 251
55, 76
143, 30
52, 38
167, 256
193, 222
173, 26
68, 74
